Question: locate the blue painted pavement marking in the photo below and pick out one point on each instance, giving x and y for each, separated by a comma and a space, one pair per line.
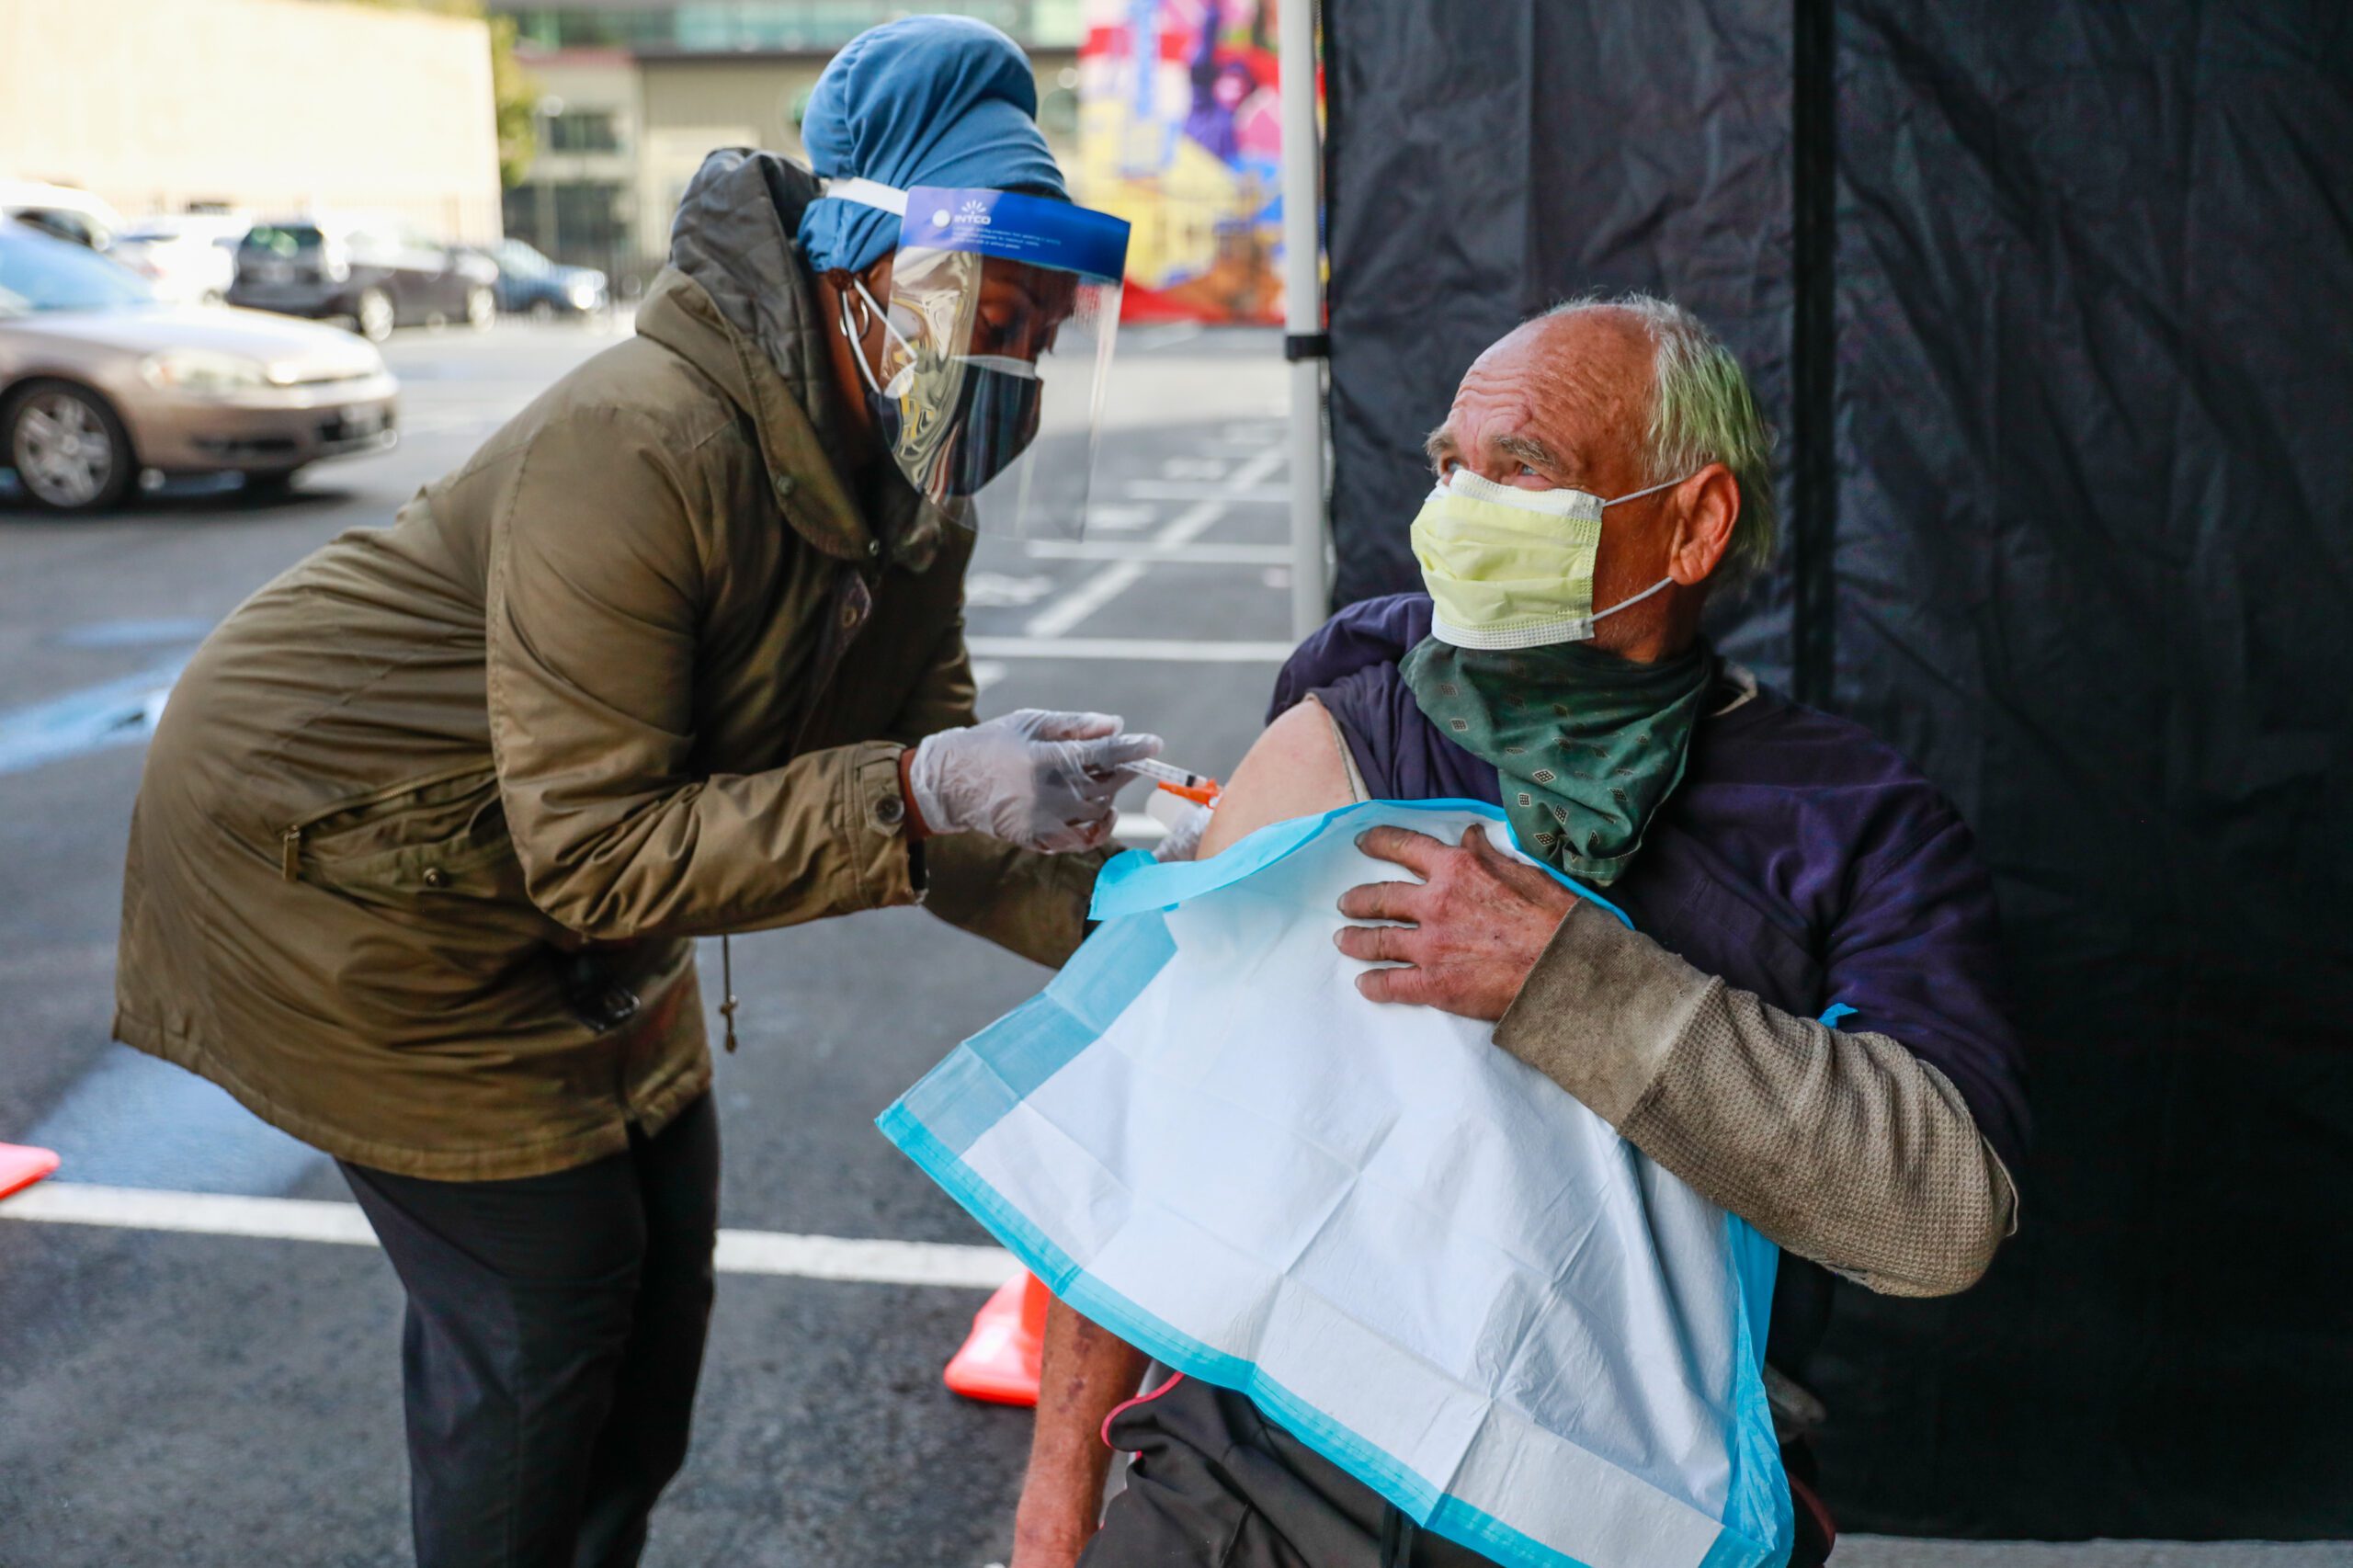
120, 712
136, 1122
133, 634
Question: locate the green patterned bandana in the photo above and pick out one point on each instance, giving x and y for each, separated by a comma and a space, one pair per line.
1588, 744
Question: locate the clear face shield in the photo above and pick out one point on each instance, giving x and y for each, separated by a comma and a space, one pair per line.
995, 344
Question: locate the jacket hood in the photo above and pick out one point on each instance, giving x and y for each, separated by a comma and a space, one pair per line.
733, 236
732, 239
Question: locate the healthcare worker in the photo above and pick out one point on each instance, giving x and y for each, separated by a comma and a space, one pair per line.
431, 822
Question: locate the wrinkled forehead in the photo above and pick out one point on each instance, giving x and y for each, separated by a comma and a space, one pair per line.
1578, 385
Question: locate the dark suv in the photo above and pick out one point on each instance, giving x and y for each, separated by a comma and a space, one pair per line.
529, 284
378, 277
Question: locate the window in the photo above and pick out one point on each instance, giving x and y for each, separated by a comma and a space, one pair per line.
578, 222
66, 225
284, 240
723, 27
518, 260
583, 131
587, 219
373, 247
38, 273
519, 208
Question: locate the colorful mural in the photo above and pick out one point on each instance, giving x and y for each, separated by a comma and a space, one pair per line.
1180, 134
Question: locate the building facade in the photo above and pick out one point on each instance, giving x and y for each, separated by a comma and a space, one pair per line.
636, 96
271, 105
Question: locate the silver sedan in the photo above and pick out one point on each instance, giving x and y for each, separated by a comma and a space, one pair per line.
100, 383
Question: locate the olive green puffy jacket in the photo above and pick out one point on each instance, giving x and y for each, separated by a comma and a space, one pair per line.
428, 810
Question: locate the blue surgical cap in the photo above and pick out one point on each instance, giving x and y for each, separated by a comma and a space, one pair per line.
924, 100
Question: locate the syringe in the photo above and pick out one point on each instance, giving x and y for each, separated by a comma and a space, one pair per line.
1198, 787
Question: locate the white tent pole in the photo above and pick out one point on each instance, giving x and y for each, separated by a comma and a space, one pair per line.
1304, 312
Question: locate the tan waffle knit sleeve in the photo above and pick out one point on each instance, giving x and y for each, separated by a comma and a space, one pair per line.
1843, 1148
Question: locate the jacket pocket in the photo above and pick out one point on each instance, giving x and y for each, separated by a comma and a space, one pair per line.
443, 835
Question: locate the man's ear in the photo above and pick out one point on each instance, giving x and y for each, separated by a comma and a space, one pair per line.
1708, 505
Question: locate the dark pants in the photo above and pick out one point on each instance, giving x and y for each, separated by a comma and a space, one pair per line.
554, 1334
1215, 1484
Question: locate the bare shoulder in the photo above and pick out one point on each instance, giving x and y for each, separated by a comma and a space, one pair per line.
1294, 769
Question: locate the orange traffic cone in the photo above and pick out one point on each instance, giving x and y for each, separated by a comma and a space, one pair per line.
21, 1164
999, 1361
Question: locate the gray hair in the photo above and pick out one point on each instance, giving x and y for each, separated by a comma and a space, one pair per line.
1701, 413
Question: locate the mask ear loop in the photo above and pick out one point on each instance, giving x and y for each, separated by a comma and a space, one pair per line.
1636, 495
1655, 587
857, 341
898, 387
1604, 614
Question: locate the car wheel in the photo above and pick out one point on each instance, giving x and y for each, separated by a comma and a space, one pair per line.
543, 309
482, 309
70, 452
374, 313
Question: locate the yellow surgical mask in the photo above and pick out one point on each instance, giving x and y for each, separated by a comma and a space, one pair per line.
1513, 568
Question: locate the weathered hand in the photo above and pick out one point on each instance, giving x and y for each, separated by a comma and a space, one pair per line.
1476, 922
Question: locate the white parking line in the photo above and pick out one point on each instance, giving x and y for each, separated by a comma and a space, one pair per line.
1119, 520
1155, 554
1087, 598
846, 1259
1257, 471
1186, 490
1107, 585
860, 1262
1170, 649
1196, 520
993, 590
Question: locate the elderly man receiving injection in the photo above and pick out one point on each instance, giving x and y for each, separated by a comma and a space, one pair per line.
1603, 467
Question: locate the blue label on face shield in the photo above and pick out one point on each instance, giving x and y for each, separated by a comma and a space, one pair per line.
1016, 227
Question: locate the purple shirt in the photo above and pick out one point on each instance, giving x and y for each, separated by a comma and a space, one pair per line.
1801, 858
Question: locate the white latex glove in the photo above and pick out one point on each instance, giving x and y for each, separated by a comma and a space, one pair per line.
1040, 779
1184, 834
